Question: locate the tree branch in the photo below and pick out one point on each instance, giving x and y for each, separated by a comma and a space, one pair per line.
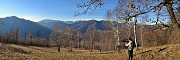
90, 5
152, 8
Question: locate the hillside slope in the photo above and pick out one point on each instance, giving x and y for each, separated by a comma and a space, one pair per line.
13, 52
51, 23
81, 26
25, 26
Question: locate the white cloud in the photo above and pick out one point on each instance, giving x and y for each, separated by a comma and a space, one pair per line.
32, 18
88, 19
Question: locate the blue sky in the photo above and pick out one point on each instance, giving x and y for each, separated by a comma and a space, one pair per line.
36, 10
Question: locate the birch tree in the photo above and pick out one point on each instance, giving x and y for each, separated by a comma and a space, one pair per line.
131, 9
114, 24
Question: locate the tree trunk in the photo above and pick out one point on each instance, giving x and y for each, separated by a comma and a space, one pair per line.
135, 37
129, 31
78, 40
118, 43
78, 44
59, 49
168, 5
142, 35
117, 36
70, 47
91, 45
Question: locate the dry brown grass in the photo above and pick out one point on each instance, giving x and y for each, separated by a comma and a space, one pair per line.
18, 52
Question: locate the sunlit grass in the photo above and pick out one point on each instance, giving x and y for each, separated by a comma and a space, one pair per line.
11, 51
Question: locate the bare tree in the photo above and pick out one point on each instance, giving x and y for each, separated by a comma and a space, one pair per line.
55, 35
16, 35
71, 42
79, 39
91, 36
142, 28
177, 11
101, 40
114, 24
38, 34
129, 10
28, 39
12, 36
68, 37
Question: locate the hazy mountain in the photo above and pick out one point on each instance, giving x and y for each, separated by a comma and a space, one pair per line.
25, 26
83, 26
76, 26
44, 27
69, 22
52, 23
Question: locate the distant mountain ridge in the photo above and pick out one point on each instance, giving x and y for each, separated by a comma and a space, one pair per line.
81, 26
25, 26
50, 23
44, 27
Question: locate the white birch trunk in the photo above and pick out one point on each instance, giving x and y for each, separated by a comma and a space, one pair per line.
135, 37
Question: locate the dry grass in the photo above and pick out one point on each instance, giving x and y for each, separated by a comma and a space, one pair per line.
18, 52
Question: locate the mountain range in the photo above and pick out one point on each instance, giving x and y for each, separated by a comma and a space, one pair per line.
81, 26
8, 24
44, 27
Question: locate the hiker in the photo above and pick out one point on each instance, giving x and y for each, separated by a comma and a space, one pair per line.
130, 45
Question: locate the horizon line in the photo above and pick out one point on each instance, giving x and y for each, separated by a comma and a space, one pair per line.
53, 19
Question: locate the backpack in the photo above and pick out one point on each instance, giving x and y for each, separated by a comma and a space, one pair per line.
133, 45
